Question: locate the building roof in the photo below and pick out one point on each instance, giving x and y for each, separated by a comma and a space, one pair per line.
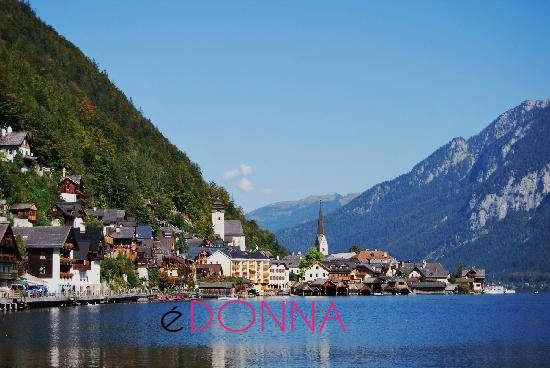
144, 232
145, 248
13, 139
166, 243
3, 229
320, 282
433, 270
218, 205
69, 209
23, 206
233, 228
88, 241
77, 179
480, 272
239, 254
215, 285
428, 285
277, 262
121, 232
336, 256
43, 236
292, 261
109, 216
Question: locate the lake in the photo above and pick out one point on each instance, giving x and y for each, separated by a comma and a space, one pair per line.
404, 331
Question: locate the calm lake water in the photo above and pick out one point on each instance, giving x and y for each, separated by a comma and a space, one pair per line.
412, 331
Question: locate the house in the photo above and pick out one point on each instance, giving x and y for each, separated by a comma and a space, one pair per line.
428, 287
216, 289
51, 256
209, 270
433, 272
14, 143
316, 271
323, 287
374, 256
279, 275
293, 262
9, 256
222, 257
108, 216
342, 270
475, 277
23, 214
120, 240
71, 188
230, 231
68, 214
253, 266
87, 256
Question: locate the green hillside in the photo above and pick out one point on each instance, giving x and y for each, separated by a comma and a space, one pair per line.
81, 121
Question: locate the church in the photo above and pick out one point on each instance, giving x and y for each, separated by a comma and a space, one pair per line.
321, 242
231, 231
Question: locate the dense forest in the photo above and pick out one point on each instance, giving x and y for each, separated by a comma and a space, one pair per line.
79, 120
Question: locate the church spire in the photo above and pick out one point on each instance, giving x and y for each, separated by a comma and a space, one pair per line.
320, 222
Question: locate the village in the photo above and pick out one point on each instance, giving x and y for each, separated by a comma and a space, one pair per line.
68, 260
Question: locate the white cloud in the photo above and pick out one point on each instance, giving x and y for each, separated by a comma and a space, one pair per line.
243, 170
245, 185
231, 174
266, 191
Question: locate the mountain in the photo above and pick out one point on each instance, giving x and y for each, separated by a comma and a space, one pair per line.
281, 215
79, 120
482, 201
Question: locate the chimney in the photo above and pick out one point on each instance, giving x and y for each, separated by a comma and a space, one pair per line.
64, 172
423, 263
277, 258
4, 132
9, 130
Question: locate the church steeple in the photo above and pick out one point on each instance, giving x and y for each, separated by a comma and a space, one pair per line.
320, 221
321, 240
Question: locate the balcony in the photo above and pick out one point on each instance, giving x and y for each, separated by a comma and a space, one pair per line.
4, 257
68, 246
66, 275
66, 260
12, 275
82, 267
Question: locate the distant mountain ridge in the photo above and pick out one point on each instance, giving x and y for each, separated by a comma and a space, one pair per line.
481, 201
285, 214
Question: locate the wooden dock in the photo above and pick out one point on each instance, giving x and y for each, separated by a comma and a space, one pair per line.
14, 304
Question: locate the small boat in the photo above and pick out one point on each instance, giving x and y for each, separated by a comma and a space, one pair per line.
377, 294
227, 298
498, 289
142, 300
536, 292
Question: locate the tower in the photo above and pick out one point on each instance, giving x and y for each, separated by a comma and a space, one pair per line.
321, 240
218, 220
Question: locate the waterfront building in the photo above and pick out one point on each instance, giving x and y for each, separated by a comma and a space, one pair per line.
51, 255
316, 271
475, 277
222, 257
9, 255
279, 275
120, 240
433, 272
253, 266
293, 262
87, 257
23, 214
321, 242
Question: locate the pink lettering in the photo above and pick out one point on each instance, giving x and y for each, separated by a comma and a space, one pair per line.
193, 303
293, 306
236, 302
281, 324
337, 318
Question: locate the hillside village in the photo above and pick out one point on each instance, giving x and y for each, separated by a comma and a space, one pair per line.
88, 250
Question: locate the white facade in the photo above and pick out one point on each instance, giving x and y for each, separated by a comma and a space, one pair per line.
218, 221
68, 197
222, 259
279, 276
239, 241
315, 271
21, 222
10, 152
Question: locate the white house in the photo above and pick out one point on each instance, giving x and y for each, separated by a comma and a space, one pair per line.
14, 143
316, 271
223, 258
279, 275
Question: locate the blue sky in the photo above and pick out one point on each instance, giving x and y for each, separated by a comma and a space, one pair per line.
278, 100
